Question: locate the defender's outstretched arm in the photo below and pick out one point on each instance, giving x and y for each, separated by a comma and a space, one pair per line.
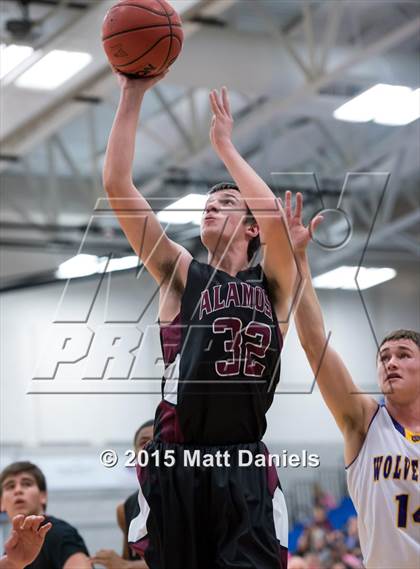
352, 410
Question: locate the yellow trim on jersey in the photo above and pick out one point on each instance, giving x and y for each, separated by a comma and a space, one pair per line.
413, 437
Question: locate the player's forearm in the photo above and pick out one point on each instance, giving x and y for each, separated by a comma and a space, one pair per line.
136, 565
267, 211
117, 172
253, 188
78, 561
140, 564
308, 316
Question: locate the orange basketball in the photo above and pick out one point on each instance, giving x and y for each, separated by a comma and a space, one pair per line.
142, 37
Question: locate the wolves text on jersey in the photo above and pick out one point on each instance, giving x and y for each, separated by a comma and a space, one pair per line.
395, 467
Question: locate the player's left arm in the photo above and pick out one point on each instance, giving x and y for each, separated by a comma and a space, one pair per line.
67, 548
278, 262
110, 560
78, 561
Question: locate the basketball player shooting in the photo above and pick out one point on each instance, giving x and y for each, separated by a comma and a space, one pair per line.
221, 331
381, 443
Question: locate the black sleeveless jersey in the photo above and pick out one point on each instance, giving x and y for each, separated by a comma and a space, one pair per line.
222, 359
131, 511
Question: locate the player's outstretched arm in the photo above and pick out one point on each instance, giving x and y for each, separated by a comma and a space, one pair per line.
25, 541
352, 410
111, 560
279, 264
140, 224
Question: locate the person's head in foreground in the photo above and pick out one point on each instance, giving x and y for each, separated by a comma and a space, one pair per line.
398, 365
228, 224
23, 490
143, 435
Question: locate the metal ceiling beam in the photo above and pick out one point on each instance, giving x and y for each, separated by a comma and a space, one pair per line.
58, 141
408, 243
277, 33
395, 181
308, 27
51, 196
274, 107
173, 117
267, 111
357, 243
334, 20
49, 120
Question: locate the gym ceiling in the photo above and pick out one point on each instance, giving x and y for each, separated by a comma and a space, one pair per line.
288, 64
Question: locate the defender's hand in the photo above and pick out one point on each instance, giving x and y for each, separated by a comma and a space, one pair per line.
26, 539
222, 120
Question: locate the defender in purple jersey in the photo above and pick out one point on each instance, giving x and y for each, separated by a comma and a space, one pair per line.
222, 324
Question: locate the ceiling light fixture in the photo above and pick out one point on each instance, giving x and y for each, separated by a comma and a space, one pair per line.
54, 69
344, 277
118, 264
86, 265
11, 56
188, 209
79, 266
393, 105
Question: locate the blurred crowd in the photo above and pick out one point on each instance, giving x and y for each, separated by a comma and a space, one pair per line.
320, 546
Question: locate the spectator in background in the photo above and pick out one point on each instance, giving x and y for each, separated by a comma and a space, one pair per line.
352, 562
323, 499
313, 561
125, 513
321, 547
320, 519
23, 490
352, 534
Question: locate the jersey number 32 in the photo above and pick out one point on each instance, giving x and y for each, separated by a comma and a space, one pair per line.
244, 345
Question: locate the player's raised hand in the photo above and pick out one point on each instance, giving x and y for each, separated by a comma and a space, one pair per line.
299, 234
26, 539
222, 121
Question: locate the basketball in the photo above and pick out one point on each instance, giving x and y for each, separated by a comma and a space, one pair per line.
142, 37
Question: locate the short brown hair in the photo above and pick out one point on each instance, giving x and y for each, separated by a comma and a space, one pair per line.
149, 423
255, 242
24, 466
402, 334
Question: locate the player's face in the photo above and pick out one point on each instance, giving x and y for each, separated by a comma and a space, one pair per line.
21, 495
144, 436
399, 370
223, 220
